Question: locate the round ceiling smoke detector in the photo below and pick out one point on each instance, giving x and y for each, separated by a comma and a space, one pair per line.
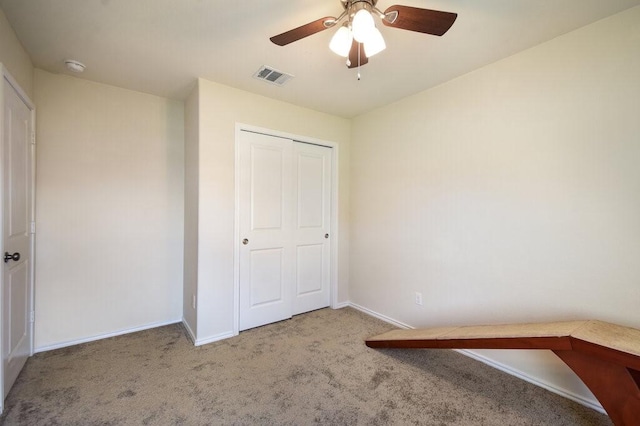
74, 66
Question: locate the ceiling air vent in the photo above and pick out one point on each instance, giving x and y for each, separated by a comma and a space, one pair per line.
271, 75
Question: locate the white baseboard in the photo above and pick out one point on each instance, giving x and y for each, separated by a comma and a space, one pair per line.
211, 339
200, 342
190, 333
593, 404
380, 316
341, 305
534, 380
103, 336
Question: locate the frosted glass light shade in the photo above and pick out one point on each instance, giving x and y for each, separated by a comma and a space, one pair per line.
362, 25
341, 42
375, 43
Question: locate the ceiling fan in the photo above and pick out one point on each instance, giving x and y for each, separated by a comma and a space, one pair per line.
357, 39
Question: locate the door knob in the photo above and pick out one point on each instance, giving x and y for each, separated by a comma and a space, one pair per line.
8, 257
245, 242
326, 235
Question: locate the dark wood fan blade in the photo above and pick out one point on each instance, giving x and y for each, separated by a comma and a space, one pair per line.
353, 55
425, 21
303, 31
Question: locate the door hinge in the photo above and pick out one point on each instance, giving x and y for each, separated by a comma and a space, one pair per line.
33, 137
32, 317
33, 227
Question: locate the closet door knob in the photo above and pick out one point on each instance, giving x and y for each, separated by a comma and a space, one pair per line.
245, 241
8, 257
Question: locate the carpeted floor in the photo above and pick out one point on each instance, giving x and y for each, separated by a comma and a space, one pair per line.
312, 369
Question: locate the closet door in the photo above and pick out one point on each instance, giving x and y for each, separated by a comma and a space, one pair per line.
284, 223
312, 233
266, 225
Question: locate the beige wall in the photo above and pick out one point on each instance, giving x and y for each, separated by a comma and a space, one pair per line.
220, 108
109, 210
14, 57
509, 194
191, 203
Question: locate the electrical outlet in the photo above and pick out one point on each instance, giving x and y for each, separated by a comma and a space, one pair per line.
193, 301
418, 298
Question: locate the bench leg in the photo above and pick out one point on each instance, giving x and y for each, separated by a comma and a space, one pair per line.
616, 387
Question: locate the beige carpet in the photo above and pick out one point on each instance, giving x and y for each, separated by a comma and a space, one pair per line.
313, 369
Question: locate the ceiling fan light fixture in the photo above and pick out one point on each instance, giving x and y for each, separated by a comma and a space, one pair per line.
341, 41
362, 23
375, 43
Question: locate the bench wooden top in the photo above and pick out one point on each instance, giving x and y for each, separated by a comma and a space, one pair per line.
605, 356
613, 336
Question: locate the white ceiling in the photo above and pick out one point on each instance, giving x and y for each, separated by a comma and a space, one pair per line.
162, 46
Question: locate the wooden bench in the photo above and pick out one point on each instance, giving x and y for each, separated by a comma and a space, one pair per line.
605, 356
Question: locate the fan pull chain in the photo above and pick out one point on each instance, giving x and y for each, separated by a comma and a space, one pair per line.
359, 46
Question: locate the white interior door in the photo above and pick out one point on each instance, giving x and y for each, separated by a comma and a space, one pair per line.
17, 218
266, 260
312, 217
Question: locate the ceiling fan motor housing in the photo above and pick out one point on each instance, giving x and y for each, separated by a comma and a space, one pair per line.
347, 3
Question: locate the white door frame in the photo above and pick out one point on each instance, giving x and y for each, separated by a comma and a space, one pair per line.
333, 287
7, 76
